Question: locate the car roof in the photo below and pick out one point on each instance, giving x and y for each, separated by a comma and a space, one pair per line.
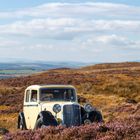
48, 86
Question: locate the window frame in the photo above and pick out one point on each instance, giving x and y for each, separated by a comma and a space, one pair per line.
74, 92
27, 92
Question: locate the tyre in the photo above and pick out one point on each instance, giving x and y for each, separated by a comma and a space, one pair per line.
21, 122
39, 123
47, 119
94, 116
21, 125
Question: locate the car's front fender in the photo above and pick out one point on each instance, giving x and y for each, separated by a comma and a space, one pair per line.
47, 118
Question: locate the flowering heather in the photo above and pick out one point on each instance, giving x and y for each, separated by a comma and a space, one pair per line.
128, 129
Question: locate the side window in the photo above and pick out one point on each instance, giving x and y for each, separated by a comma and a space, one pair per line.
33, 95
27, 96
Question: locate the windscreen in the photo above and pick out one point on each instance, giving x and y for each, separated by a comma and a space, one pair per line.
57, 94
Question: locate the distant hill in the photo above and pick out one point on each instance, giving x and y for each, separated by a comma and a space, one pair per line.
16, 69
40, 65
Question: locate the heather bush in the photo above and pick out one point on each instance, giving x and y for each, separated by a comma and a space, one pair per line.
113, 130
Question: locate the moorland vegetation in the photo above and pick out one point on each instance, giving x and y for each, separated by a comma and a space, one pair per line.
112, 88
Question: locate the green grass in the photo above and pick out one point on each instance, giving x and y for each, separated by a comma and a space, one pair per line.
15, 72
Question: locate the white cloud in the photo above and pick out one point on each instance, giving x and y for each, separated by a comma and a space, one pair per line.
118, 41
113, 40
7, 43
67, 20
68, 28
76, 31
76, 10
102, 42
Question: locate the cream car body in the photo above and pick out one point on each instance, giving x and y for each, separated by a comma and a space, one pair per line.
71, 112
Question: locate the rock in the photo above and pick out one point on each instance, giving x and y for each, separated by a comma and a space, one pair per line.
3, 131
131, 101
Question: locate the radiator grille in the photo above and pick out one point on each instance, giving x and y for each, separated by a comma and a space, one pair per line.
71, 115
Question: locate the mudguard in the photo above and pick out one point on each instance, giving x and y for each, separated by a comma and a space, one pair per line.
47, 118
93, 116
22, 119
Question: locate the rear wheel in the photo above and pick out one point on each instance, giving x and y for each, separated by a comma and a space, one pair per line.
21, 125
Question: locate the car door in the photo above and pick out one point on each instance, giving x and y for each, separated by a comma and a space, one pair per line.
34, 108
26, 108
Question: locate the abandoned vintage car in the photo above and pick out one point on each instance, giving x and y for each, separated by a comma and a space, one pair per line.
52, 105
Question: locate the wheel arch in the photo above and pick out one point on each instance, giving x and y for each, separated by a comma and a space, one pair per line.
96, 116
93, 116
21, 117
46, 117
42, 114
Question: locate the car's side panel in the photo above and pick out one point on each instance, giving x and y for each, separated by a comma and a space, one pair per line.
31, 109
26, 110
33, 113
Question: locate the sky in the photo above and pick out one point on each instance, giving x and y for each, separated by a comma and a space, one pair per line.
74, 30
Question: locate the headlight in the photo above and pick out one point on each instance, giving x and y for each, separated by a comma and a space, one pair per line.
56, 108
88, 107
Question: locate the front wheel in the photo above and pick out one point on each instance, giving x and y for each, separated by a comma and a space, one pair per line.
39, 123
45, 118
94, 116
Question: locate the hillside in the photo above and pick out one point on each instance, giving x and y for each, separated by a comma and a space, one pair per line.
17, 69
113, 88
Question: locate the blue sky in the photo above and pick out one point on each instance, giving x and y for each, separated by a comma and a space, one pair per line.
16, 4
74, 30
